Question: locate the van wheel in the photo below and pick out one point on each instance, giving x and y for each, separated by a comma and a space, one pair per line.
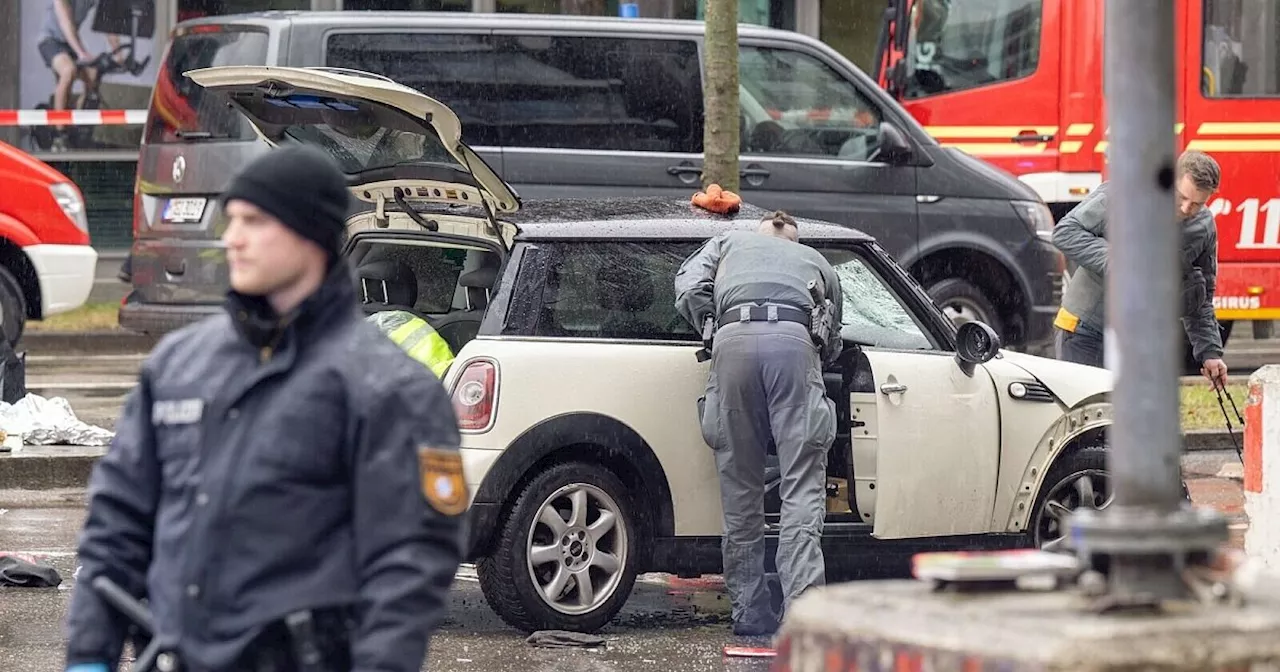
13, 308
565, 557
961, 301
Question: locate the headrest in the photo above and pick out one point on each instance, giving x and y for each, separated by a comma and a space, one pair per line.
483, 277
401, 286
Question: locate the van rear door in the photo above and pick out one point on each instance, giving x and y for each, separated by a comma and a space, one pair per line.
191, 147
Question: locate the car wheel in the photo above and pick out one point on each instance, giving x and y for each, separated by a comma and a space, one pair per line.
961, 301
1078, 480
565, 558
13, 308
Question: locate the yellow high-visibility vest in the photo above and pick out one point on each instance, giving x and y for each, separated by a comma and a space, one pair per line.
415, 337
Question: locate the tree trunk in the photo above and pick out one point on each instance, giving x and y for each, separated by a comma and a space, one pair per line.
720, 96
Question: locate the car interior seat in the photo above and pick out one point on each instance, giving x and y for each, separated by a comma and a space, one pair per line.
458, 327
627, 293
387, 284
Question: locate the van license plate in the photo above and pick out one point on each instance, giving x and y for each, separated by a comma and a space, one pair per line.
183, 210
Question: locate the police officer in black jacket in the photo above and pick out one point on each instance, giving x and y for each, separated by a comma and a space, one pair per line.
281, 464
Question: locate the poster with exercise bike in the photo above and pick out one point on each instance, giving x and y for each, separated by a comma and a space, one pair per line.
86, 55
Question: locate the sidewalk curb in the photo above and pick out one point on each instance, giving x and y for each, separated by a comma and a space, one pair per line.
104, 342
44, 472
1197, 440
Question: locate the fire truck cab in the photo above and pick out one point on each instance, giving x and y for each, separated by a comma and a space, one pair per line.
1019, 84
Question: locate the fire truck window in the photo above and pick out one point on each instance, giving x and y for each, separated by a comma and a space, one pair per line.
1241, 49
962, 44
795, 105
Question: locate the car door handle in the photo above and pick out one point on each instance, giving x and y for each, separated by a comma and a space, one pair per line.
684, 170
753, 172
176, 269
1031, 137
892, 388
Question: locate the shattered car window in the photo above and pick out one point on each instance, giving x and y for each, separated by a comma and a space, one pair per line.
615, 290
872, 314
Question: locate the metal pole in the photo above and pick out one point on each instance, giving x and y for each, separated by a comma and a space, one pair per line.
1145, 532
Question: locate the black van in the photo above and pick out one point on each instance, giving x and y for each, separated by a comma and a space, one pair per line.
585, 107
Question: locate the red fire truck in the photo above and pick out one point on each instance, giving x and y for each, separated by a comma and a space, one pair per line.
1019, 83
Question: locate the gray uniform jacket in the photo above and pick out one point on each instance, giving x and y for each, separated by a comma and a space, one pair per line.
1081, 236
258, 471
740, 267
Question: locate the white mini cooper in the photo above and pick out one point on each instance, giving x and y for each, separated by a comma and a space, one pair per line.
576, 381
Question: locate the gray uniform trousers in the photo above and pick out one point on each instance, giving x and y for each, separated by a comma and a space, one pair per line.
766, 382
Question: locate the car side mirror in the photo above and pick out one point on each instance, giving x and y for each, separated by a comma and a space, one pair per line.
893, 145
976, 343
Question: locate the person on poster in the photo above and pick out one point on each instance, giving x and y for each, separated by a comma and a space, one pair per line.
63, 51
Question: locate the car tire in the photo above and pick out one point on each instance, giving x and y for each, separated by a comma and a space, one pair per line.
13, 308
1077, 478
1046, 529
514, 587
962, 301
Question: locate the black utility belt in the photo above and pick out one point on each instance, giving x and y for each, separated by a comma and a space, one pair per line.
754, 313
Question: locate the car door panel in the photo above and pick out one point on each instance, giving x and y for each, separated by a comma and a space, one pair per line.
937, 440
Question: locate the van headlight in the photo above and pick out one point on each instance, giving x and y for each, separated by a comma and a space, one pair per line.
1036, 216
72, 204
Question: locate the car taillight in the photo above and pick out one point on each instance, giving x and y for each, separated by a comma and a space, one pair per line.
474, 395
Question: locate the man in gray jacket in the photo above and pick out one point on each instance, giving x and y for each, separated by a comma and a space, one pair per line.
1081, 235
766, 384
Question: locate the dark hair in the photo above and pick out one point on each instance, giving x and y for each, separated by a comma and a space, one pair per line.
1202, 169
780, 219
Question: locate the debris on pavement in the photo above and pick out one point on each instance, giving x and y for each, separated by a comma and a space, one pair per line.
42, 422
563, 639
749, 652
20, 572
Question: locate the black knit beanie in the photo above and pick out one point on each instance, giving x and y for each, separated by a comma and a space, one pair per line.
303, 188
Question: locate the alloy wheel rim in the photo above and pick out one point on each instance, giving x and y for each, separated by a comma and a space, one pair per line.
1087, 488
576, 549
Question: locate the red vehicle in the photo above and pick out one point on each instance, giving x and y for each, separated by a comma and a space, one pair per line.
46, 262
1019, 83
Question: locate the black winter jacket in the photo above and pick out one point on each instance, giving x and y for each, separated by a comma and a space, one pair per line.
258, 470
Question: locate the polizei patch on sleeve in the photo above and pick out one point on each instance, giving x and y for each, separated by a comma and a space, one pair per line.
177, 411
443, 483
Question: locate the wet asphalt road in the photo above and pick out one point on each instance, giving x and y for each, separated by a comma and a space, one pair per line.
657, 630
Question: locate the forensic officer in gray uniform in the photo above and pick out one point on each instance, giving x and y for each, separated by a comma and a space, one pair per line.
284, 485
766, 383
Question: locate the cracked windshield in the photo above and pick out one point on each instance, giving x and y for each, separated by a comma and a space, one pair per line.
626, 335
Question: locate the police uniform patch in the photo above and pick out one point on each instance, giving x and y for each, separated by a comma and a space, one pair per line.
443, 483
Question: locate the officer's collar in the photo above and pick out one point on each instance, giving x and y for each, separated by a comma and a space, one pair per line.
259, 324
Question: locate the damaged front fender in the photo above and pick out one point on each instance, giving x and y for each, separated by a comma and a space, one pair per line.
1061, 437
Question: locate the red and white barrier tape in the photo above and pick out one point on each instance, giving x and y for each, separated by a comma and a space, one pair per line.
71, 117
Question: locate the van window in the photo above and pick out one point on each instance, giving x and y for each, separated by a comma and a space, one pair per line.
1241, 49
953, 46
793, 104
625, 94
181, 111
456, 69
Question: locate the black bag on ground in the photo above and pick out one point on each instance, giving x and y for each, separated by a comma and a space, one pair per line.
17, 572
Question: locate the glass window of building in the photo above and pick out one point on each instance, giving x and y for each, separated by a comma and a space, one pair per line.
1241, 48
962, 44
408, 5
